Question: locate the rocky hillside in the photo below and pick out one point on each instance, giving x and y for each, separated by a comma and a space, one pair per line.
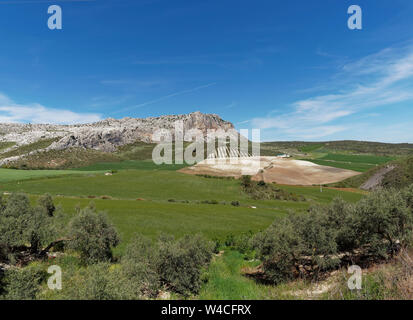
106, 135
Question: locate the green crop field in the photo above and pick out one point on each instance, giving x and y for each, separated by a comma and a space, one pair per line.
131, 164
360, 167
142, 198
154, 185
356, 162
11, 175
152, 218
356, 158
155, 201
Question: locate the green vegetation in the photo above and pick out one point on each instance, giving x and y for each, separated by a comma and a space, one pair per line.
25, 149
310, 147
226, 281
5, 145
13, 175
93, 236
374, 229
400, 176
130, 164
62, 159
261, 190
20, 225
160, 228
346, 147
354, 162
150, 218
137, 155
157, 185
355, 158
360, 167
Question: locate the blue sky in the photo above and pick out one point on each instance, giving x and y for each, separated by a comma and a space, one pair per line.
291, 68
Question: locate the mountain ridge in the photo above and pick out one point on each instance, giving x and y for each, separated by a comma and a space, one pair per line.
105, 135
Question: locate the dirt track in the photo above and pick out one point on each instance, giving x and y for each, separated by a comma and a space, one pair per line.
273, 169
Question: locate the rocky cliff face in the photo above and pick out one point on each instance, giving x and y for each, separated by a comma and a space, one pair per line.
108, 134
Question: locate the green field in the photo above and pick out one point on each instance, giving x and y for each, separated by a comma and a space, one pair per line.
360, 167
156, 185
155, 201
357, 158
131, 164
152, 218
356, 162
140, 197
9, 175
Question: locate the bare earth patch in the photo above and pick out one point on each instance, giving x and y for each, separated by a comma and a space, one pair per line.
272, 169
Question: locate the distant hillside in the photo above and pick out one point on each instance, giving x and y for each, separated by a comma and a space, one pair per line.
394, 174
43, 143
345, 146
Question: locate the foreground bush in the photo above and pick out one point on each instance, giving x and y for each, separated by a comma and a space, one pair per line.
375, 228
22, 225
93, 236
181, 262
384, 222
140, 264
169, 264
23, 284
147, 268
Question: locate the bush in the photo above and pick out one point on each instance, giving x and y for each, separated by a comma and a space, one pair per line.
384, 222
93, 236
22, 224
266, 191
375, 228
181, 262
235, 203
23, 284
100, 281
246, 181
140, 264
279, 247
46, 202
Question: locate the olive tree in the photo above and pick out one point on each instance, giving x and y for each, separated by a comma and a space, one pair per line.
93, 236
22, 224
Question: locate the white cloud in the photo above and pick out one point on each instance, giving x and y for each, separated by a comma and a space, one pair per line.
11, 111
379, 80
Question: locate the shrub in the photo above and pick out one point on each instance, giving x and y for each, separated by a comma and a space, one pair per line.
93, 236
46, 202
306, 244
384, 222
246, 181
235, 203
279, 248
23, 284
209, 202
181, 262
243, 244
21, 224
140, 264
100, 281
